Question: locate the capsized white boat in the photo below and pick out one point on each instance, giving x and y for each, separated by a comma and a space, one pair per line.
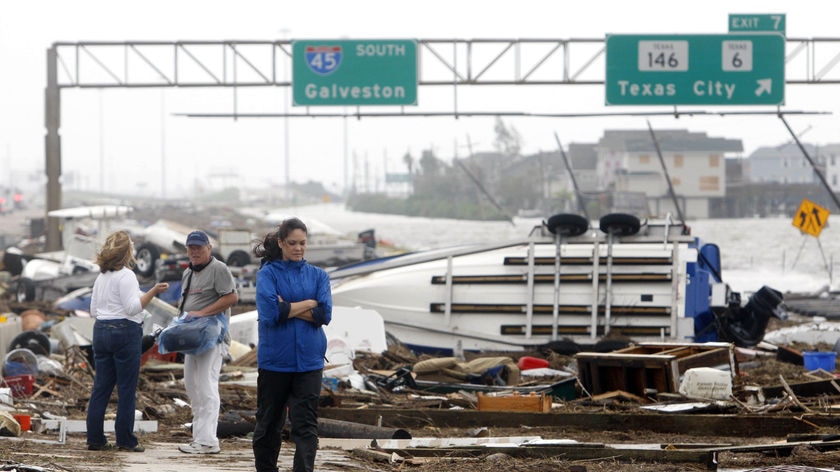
646, 280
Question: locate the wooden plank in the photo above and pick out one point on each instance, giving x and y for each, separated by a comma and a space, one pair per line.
805, 389
573, 452
515, 402
688, 424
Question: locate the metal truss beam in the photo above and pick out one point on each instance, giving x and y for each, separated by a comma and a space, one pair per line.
442, 62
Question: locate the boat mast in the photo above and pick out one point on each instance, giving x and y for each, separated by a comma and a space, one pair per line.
578, 195
667, 177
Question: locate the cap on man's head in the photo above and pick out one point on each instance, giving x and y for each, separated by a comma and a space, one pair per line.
198, 238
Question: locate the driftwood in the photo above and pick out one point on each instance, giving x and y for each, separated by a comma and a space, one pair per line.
793, 395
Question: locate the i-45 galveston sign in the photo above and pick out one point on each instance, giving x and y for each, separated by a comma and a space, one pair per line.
711, 69
343, 72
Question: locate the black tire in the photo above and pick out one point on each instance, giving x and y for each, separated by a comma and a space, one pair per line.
610, 345
238, 258
12, 261
147, 255
567, 224
25, 290
620, 224
33, 340
218, 256
563, 347
146, 342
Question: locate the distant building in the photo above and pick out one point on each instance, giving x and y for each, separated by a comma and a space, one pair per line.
830, 155
696, 164
785, 164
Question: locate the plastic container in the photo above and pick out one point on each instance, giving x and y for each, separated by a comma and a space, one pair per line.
819, 360
25, 421
20, 385
10, 326
528, 362
20, 362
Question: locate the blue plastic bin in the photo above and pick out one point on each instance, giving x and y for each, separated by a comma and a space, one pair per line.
819, 360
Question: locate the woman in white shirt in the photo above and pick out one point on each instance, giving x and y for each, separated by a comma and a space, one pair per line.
117, 305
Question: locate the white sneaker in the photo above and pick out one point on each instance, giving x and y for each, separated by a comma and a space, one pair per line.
196, 448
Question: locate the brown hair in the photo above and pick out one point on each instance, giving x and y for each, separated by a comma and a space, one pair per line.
117, 252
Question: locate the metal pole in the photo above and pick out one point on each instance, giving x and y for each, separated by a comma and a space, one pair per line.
608, 301
667, 177
286, 85
101, 144
163, 143
578, 195
555, 309
52, 144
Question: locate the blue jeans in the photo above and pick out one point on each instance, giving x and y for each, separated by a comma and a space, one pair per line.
116, 353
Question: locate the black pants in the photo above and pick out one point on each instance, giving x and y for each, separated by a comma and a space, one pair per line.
299, 391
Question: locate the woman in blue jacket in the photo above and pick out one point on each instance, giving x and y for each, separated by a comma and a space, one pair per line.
293, 303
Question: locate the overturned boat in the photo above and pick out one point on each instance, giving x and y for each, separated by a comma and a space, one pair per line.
566, 282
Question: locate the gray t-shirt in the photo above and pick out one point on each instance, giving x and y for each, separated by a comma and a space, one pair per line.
208, 285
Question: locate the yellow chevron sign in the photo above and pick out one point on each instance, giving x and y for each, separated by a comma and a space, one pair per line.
810, 218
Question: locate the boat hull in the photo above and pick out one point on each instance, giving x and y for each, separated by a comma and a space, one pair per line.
540, 290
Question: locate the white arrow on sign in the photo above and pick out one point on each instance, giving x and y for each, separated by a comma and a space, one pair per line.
764, 85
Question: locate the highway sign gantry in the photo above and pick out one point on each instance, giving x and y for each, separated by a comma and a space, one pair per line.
710, 69
344, 72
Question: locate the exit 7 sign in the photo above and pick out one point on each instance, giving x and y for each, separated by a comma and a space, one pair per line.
711, 69
742, 23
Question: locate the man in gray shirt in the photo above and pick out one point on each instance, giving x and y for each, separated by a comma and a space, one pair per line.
209, 290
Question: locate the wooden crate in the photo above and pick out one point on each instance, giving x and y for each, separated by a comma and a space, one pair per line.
515, 402
649, 366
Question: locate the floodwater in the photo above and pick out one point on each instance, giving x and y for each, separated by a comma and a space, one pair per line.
754, 251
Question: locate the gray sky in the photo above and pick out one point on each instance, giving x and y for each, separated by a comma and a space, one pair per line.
121, 139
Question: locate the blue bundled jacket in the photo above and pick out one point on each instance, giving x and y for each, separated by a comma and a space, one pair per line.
291, 345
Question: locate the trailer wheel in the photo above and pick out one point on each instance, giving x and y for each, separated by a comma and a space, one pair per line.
567, 224
147, 255
620, 224
564, 347
33, 340
238, 258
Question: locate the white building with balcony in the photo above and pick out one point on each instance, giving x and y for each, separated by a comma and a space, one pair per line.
628, 161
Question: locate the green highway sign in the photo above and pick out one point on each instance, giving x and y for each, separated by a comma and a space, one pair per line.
745, 23
342, 72
711, 69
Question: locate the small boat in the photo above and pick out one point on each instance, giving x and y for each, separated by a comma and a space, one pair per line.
627, 278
